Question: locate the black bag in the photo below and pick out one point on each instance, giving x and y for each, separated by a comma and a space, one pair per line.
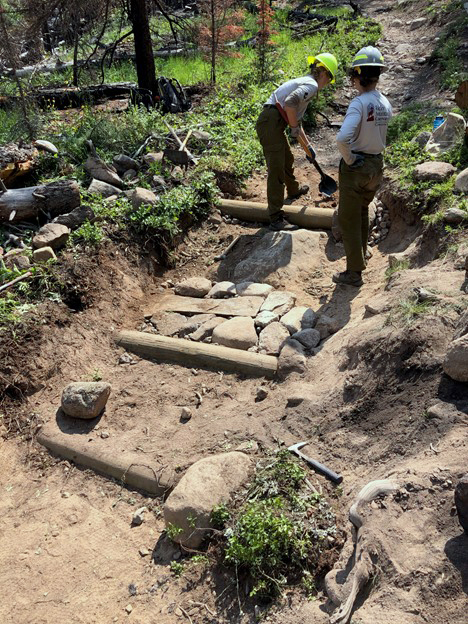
171, 96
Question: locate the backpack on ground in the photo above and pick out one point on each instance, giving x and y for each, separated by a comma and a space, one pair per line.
170, 96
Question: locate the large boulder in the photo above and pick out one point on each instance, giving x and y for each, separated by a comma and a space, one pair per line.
456, 360
52, 235
299, 318
193, 287
272, 338
281, 256
123, 163
238, 333
99, 187
85, 399
326, 326
205, 331
455, 215
169, 323
448, 135
461, 181
206, 484
434, 171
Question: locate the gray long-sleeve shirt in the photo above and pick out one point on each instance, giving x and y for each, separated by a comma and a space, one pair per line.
365, 125
295, 93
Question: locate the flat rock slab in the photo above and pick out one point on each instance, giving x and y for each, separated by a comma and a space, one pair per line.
206, 483
281, 256
279, 302
248, 289
239, 306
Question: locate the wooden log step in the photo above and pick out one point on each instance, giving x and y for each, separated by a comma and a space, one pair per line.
304, 216
237, 306
129, 468
196, 354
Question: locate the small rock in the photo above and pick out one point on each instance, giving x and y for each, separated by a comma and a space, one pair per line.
272, 338
169, 323
51, 235
85, 399
262, 394
247, 289
99, 187
326, 326
123, 163
139, 516
104, 435
238, 333
153, 157
193, 287
43, 254
206, 329
292, 358
377, 305
185, 414
299, 318
456, 361
143, 196
461, 181
265, 318
46, 146
417, 23
76, 217
307, 337
221, 290
422, 138
20, 262
125, 358
455, 215
279, 302
144, 552
215, 218
129, 609
131, 174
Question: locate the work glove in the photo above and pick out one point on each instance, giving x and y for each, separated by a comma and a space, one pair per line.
295, 131
358, 162
313, 155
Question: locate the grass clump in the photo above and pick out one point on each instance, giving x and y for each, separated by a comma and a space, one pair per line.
280, 532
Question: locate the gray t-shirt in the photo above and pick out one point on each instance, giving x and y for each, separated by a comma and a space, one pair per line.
295, 93
364, 128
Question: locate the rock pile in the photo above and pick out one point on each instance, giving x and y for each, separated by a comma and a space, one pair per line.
276, 320
381, 225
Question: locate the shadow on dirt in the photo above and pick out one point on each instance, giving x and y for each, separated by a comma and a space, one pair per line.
70, 425
456, 550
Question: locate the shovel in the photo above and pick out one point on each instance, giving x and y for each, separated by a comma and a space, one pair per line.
327, 185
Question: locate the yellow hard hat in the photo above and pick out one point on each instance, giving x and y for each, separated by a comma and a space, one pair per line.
327, 60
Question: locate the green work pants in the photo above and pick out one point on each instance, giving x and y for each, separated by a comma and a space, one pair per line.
279, 159
357, 190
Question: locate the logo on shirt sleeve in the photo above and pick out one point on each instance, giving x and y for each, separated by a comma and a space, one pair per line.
370, 112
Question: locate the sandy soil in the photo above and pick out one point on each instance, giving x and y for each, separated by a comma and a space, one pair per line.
68, 548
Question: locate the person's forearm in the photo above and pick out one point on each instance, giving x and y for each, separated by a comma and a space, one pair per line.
291, 114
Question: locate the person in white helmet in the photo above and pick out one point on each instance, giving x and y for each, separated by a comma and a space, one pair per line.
286, 107
361, 142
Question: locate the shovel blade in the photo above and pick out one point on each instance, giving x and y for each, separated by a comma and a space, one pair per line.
328, 186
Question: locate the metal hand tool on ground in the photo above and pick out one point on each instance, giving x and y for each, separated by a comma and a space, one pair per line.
327, 185
317, 466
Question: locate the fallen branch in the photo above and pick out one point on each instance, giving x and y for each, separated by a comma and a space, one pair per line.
27, 203
15, 281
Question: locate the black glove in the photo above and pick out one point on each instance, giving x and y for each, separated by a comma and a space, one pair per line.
359, 161
313, 155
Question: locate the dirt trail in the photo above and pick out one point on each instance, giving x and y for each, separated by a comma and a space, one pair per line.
68, 550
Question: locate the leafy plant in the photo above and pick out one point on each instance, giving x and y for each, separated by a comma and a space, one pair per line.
400, 265
173, 531
279, 533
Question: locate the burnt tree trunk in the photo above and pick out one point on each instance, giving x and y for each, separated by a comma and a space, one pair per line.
51, 199
144, 58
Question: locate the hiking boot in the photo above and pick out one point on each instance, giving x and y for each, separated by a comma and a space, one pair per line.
302, 191
350, 278
283, 225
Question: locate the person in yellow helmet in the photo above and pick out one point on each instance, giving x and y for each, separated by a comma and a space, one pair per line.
286, 107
